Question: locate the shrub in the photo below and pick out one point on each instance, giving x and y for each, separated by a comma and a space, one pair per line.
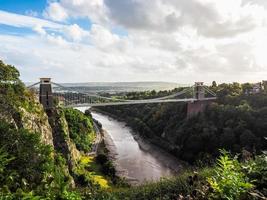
109, 169
229, 181
257, 172
101, 159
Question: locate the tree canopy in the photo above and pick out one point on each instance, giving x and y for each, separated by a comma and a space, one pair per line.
8, 73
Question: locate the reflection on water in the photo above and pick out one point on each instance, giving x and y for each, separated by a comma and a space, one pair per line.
139, 164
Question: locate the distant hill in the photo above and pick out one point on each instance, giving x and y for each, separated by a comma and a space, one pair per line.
114, 87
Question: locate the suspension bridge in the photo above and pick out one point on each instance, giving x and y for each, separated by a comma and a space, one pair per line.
50, 94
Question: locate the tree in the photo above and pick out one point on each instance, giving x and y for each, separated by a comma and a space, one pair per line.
214, 84
227, 138
246, 87
32, 158
247, 139
11, 89
8, 73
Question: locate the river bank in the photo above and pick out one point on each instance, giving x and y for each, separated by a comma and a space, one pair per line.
163, 164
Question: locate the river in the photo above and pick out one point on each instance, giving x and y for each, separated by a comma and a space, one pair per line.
139, 161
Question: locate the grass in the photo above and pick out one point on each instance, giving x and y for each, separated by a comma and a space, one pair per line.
89, 168
165, 189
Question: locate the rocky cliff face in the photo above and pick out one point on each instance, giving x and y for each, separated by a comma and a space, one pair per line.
37, 122
61, 138
25, 111
30, 115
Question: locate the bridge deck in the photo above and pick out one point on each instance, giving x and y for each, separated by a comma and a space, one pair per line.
139, 102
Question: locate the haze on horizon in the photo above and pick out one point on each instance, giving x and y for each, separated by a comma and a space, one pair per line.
178, 41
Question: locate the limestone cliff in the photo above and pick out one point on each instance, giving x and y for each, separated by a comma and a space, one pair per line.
61, 138
23, 110
29, 114
37, 121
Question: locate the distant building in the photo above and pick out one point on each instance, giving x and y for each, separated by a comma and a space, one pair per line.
264, 85
257, 88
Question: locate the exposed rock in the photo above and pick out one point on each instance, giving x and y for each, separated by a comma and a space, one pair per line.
61, 138
37, 122
32, 117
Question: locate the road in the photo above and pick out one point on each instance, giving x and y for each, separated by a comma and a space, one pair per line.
97, 141
139, 102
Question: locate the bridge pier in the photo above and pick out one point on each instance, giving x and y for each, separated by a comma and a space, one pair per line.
195, 107
199, 105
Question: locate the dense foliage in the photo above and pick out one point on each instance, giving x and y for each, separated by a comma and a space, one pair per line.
80, 128
235, 122
229, 181
8, 73
27, 166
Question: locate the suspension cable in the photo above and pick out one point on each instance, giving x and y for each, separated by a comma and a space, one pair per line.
30, 86
107, 98
209, 91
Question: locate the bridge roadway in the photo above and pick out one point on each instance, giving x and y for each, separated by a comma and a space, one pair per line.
139, 102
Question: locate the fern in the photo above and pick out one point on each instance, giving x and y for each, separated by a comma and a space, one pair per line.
229, 182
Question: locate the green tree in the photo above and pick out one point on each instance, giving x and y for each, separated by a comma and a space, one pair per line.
214, 84
8, 72
247, 87
248, 139
227, 138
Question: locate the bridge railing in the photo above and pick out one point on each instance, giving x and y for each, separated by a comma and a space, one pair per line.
67, 96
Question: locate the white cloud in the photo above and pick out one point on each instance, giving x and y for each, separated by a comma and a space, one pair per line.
72, 32
17, 20
39, 29
102, 37
55, 12
75, 33
92, 9
182, 41
220, 18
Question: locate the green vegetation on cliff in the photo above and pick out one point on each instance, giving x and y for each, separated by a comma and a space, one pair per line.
39, 159
33, 164
80, 128
29, 167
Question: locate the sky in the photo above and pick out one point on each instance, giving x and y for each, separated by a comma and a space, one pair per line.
179, 41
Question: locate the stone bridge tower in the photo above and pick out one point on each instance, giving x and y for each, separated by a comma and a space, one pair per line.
199, 92
45, 94
198, 105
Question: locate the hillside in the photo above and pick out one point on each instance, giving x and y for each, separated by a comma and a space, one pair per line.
44, 154
39, 151
235, 122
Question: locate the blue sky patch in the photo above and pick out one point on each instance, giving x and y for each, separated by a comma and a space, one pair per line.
12, 30
23, 6
119, 31
84, 23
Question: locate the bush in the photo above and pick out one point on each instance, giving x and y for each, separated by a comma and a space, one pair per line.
257, 172
229, 181
101, 159
27, 167
109, 169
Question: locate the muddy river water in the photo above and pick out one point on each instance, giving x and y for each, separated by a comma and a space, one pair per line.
139, 161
